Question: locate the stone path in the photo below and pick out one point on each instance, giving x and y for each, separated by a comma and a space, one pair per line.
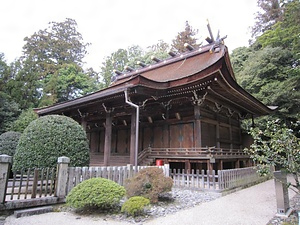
251, 206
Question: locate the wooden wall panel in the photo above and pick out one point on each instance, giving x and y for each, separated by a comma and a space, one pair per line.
182, 135
209, 134
147, 137
175, 136
188, 135
158, 137
102, 138
122, 142
94, 141
225, 145
236, 135
224, 133
114, 141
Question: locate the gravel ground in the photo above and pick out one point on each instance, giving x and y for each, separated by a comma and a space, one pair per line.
251, 206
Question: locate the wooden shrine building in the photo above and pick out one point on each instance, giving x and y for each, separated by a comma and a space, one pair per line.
185, 111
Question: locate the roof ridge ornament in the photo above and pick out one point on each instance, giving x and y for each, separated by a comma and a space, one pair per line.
215, 42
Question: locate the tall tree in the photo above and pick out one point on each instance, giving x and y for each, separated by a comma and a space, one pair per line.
67, 83
159, 50
285, 33
186, 36
4, 73
9, 111
58, 44
270, 70
46, 53
117, 60
129, 57
270, 13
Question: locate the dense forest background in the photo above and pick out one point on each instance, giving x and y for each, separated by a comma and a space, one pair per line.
50, 69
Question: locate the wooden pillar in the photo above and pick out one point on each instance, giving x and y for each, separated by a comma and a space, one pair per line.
166, 143
132, 137
220, 164
237, 164
166, 131
83, 124
218, 132
230, 134
209, 165
197, 133
187, 165
107, 140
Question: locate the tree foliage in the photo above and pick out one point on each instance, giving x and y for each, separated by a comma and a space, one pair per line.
270, 13
285, 33
4, 74
129, 57
269, 69
9, 111
24, 119
277, 146
49, 137
58, 44
67, 83
8, 142
50, 69
186, 36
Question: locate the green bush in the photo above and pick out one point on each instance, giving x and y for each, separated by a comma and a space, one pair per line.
149, 183
8, 142
96, 192
134, 206
49, 137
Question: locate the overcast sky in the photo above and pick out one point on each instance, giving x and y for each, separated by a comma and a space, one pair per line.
112, 24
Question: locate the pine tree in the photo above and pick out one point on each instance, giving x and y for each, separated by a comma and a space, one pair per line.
186, 36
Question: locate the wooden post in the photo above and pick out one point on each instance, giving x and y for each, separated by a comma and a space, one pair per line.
237, 164
220, 164
166, 136
5, 162
187, 165
107, 140
35, 183
197, 133
62, 176
132, 137
230, 135
83, 124
218, 132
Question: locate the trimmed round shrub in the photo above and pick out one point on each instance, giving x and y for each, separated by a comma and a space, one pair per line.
149, 183
96, 192
8, 142
135, 206
49, 137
